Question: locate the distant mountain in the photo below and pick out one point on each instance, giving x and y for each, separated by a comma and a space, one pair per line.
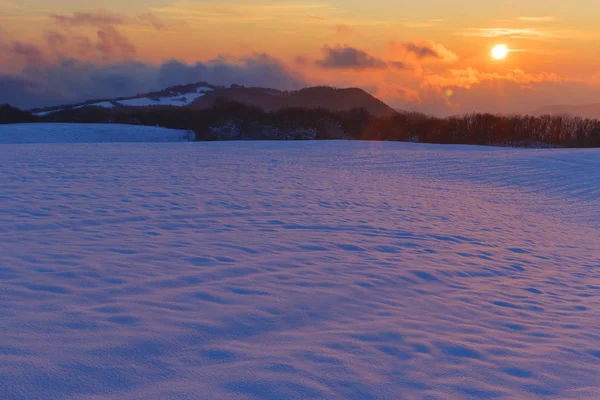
203, 96
327, 98
585, 111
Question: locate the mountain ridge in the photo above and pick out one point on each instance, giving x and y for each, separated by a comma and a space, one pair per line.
202, 95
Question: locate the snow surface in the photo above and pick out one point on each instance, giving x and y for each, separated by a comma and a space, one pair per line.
87, 133
44, 113
297, 270
177, 101
103, 104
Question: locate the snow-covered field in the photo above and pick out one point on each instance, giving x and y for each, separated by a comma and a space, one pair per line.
297, 270
88, 133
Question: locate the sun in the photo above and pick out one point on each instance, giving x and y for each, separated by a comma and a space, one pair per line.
500, 52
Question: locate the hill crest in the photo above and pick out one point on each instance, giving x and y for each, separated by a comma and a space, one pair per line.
202, 95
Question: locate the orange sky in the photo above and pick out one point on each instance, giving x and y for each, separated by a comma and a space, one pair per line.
430, 55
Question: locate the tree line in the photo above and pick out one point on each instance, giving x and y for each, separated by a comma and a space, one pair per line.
228, 120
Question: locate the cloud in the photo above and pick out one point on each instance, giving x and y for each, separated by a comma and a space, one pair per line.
215, 11
98, 18
104, 18
70, 80
409, 95
152, 20
344, 29
55, 39
427, 49
468, 77
111, 43
30, 52
499, 32
301, 60
401, 65
424, 24
20, 91
528, 33
257, 70
537, 19
57, 74
346, 57
8, 5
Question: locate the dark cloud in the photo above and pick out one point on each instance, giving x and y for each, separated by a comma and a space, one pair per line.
19, 91
301, 60
72, 80
421, 51
30, 53
55, 39
346, 57
427, 49
258, 70
26, 49
400, 65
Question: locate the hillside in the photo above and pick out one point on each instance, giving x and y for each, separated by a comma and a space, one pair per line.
584, 111
327, 98
203, 95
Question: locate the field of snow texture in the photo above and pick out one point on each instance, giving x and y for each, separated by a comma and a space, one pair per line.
88, 133
298, 270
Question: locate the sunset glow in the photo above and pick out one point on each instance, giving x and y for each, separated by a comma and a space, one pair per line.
407, 59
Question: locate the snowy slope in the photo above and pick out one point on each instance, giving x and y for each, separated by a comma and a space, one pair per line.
87, 133
180, 100
103, 104
298, 270
177, 100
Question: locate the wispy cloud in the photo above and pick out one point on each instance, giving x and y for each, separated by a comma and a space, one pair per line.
527, 33
105, 18
213, 11
424, 24
344, 29
152, 20
99, 18
537, 19
8, 5
468, 77
500, 32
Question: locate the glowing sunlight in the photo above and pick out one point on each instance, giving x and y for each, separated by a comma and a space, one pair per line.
500, 52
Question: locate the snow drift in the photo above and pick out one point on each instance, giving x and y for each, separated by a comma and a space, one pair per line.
295, 270
88, 133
